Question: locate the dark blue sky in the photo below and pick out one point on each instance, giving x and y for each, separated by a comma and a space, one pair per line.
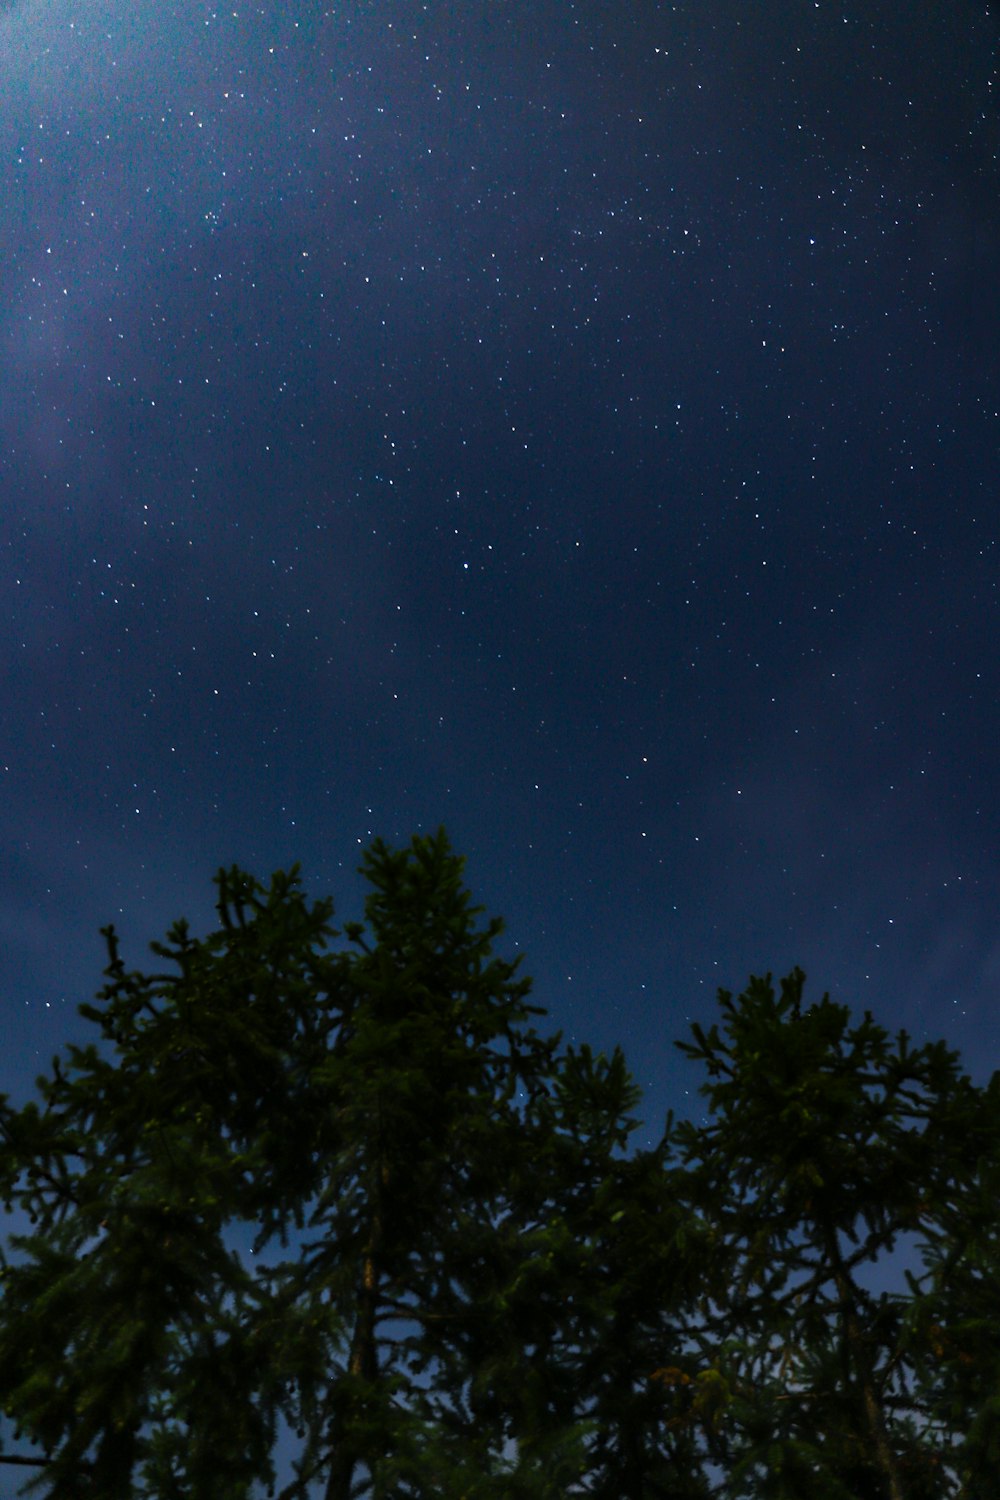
574, 423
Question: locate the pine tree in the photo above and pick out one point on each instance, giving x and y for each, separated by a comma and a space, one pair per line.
350, 1191
827, 1147
955, 1315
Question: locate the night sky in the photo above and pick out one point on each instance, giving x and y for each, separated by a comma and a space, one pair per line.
573, 423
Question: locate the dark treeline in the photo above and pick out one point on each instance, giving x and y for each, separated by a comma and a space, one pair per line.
465, 1280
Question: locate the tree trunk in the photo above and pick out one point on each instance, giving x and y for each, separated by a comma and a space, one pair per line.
363, 1359
878, 1438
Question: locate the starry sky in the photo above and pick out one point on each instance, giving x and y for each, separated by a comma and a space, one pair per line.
575, 423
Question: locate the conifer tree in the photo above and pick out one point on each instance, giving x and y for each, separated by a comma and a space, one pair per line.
827, 1147
351, 1192
333, 1186
955, 1313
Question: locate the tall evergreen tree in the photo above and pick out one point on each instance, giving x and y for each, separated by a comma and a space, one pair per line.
955, 1314
352, 1192
828, 1146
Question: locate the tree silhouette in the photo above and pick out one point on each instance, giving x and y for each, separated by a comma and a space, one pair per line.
424, 1183
827, 1147
330, 1193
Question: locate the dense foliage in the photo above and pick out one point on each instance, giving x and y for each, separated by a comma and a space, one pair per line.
339, 1221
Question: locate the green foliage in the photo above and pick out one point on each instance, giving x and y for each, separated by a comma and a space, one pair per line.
827, 1146
337, 1184
426, 1191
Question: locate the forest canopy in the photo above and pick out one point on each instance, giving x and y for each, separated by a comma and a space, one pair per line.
327, 1212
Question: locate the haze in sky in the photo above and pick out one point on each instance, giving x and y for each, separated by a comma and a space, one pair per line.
573, 424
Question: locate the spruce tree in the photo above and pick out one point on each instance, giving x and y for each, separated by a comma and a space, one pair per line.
828, 1146
347, 1192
